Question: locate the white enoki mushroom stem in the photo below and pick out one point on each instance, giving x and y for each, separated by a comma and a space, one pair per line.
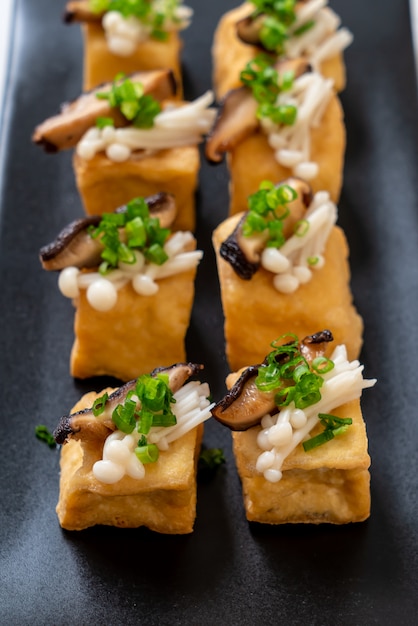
142, 274
174, 127
307, 12
332, 46
321, 41
124, 34
191, 408
310, 94
293, 262
342, 384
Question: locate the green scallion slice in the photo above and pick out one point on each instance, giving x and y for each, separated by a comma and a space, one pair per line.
124, 416
43, 434
99, 404
148, 453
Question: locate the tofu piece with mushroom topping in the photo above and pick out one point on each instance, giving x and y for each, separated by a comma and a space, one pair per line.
230, 54
114, 44
135, 316
255, 311
299, 438
161, 497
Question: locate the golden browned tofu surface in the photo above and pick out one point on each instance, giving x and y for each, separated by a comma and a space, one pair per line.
101, 65
230, 55
256, 313
253, 161
137, 335
164, 501
330, 483
105, 185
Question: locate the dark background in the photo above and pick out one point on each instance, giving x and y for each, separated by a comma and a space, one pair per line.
227, 571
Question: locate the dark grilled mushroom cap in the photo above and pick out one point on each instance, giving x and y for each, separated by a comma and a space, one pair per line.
65, 130
244, 253
236, 119
315, 345
74, 246
245, 405
84, 424
248, 30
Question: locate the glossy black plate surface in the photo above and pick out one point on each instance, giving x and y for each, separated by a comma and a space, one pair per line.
227, 571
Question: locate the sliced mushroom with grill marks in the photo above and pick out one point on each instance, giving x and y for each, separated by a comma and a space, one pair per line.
315, 345
87, 426
64, 131
236, 119
237, 114
76, 248
79, 11
245, 405
244, 253
248, 28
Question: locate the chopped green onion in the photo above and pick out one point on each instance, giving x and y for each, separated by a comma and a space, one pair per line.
123, 416
301, 228
136, 233
304, 28
210, 459
148, 453
280, 15
318, 440
333, 427
287, 373
279, 114
144, 11
142, 441
43, 434
332, 421
99, 404
101, 122
145, 421
142, 232
98, 6
312, 260
129, 98
148, 406
154, 392
164, 419
156, 254
307, 390
266, 85
322, 365
267, 211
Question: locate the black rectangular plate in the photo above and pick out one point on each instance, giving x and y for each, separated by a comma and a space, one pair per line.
227, 571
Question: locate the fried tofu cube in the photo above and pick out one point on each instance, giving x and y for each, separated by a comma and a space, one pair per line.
330, 483
137, 335
104, 184
163, 501
252, 160
101, 65
256, 313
